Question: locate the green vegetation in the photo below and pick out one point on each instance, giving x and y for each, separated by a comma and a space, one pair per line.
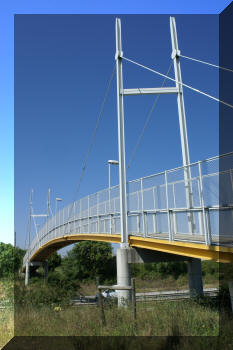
6, 313
44, 308
10, 259
89, 259
38, 294
10, 263
41, 317
153, 319
173, 275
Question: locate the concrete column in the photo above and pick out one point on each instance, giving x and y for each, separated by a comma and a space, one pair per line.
230, 285
46, 270
123, 276
195, 278
27, 273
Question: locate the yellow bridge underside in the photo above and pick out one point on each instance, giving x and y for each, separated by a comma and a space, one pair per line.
194, 250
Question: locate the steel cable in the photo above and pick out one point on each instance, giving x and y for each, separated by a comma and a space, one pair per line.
92, 140
178, 82
209, 64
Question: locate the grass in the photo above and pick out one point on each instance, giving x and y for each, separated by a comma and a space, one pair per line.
6, 326
153, 319
171, 323
6, 314
176, 318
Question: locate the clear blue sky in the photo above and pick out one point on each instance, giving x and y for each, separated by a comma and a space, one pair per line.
62, 64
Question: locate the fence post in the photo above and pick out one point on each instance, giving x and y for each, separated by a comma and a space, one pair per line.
81, 208
138, 223
101, 306
63, 228
207, 236
154, 215
59, 223
133, 298
138, 200
68, 220
110, 210
100, 302
200, 213
98, 214
74, 216
168, 211
174, 223
143, 214
138, 216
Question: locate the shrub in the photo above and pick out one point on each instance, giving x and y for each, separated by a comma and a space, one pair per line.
39, 294
159, 270
210, 268
10, 259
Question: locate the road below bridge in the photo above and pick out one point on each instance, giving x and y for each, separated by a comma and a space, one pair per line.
150, 296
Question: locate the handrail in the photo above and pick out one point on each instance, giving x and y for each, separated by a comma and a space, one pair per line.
109, 208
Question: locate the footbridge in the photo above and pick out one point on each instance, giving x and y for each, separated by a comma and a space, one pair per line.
184, 213
158, 215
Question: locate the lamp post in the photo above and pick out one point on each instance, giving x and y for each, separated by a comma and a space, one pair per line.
57, 200
111, 162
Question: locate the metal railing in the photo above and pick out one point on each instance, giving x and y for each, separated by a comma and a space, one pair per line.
157, 206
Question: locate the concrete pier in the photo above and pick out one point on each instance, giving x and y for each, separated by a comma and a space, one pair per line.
127, 256
123, 276
195, 277
27, 274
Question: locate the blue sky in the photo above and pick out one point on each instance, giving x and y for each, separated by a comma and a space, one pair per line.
62, 65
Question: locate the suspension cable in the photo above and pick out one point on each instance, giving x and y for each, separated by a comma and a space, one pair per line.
92, 139
209, 64
147, 121
178, 82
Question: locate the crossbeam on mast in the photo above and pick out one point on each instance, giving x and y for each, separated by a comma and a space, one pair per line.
150, 91
39, 215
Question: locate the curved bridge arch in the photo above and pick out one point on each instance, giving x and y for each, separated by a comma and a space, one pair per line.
55, 244
219, 254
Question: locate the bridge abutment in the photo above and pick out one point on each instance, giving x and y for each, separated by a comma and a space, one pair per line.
123, 276
195, 277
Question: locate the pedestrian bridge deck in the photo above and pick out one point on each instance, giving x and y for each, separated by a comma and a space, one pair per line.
185, 211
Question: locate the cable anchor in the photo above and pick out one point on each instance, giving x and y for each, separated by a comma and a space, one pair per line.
119, 54
175, 53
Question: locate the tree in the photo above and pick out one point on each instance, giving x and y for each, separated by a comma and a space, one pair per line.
18, 258
54, 261
10, 259
89, 259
